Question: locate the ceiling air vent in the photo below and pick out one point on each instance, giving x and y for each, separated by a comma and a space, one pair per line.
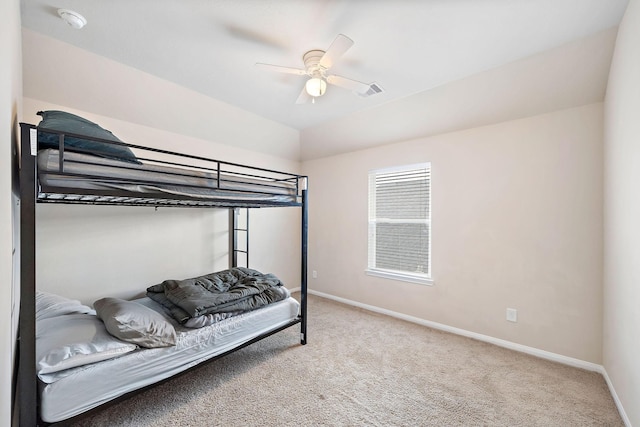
373, 89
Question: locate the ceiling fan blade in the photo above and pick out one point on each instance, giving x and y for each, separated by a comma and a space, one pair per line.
346, 83
304, 97
279, 69
362, 89
339, 46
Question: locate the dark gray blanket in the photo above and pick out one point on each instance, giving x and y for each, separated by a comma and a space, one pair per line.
228, 291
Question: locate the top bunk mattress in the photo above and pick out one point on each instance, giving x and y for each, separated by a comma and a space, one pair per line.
81, 177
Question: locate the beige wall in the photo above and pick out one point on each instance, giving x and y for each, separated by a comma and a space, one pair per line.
517, 222
621, 214
10, 99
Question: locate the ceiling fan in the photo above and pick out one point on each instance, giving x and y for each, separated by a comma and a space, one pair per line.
317, 64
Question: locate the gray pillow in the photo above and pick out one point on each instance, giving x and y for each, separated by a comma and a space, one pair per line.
67, 122
135, 323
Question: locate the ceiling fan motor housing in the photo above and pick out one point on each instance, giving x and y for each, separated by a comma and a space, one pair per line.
312, 63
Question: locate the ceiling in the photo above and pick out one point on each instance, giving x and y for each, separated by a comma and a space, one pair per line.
408, 47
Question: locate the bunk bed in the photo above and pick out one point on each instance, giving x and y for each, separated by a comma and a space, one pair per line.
88, 165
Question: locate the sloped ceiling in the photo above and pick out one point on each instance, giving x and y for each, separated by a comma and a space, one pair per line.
571, 75
443, 65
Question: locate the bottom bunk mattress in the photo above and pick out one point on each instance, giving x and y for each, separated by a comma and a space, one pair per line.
71, 392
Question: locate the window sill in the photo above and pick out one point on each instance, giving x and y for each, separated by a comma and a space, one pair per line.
404, 277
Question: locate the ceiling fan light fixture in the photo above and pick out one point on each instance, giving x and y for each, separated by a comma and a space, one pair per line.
74, 19
316, 86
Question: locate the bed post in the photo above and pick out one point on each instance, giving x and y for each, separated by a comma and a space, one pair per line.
27, 380
303, 285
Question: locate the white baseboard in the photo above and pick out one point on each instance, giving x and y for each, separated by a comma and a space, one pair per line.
616, 399
578, 363
480, 337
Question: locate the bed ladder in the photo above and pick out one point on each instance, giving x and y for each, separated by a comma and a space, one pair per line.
239, 237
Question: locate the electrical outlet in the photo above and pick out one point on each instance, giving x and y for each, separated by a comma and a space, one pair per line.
314, 274
512, 315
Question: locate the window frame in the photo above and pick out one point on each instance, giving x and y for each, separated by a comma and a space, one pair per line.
406, 276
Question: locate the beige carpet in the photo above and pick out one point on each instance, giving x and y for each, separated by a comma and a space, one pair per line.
365, 369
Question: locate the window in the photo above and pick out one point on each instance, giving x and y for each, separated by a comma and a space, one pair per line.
400, 223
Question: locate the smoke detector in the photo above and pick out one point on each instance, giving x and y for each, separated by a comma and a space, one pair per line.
74, 19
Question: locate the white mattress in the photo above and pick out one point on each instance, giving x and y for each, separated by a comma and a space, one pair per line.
77, 390
83, 171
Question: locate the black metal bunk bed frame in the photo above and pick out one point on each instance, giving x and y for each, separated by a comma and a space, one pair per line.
32, 192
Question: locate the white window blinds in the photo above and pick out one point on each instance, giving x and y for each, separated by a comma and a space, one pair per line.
400, 223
